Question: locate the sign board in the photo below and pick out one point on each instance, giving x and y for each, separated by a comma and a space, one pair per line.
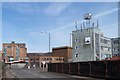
11, 59
87, 40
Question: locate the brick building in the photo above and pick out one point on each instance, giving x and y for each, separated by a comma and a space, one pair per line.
58, 55
64, 51
40, 59
0, 56
14, 51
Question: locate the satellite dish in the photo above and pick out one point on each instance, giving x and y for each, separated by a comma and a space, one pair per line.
87, 16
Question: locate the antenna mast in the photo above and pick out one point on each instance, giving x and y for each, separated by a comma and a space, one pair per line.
76, 26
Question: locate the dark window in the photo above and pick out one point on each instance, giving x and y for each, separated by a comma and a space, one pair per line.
118, 49
50, 58
44, 58
8, 46
76, 40
76, 55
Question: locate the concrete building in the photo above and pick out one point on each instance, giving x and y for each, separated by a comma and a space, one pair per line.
115, 47
64, 51
14, 51
89, 43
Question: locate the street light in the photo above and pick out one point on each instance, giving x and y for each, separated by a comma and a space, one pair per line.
71, 39
18, 53
49, 38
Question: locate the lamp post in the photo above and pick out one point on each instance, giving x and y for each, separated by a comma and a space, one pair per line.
49, 39
71, 39
17, 53
49, 48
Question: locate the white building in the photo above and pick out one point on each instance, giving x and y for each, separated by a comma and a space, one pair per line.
90, 44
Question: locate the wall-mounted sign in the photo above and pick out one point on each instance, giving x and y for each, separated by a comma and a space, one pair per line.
11, 59
87, 40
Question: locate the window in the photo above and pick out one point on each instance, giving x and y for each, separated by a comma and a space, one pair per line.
76, 40
118, 49
50, 58
47, 58
101, 47
37, 58
44, 58
113, 49
76, 55
56, 59
109, 49
103, 55
8, 46
76, 47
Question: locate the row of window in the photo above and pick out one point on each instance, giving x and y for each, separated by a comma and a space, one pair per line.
102, 48
102, 40
46, 58
115, 49
21, 46
105, 41
87, 39
105, 48
106, 55
57, 59
116, 55
102, 55
116, 42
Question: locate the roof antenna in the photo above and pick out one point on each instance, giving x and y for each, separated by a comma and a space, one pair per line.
93, 24
76, 26
81, 27
97, 23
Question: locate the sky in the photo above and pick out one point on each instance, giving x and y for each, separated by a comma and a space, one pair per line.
23, 22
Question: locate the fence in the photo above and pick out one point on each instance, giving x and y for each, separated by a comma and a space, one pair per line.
100, 69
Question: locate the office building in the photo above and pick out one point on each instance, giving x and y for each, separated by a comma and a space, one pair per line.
89, 43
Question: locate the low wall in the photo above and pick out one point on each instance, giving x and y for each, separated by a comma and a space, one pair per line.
100, 69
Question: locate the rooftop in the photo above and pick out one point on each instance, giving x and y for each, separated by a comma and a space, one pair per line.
39, 54
62, 47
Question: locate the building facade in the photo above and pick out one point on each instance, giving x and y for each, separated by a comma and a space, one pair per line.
14, 51
115, 46
64, 51
58, 55
89, 44
42, 59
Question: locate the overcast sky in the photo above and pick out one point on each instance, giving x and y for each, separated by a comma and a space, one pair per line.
23, 22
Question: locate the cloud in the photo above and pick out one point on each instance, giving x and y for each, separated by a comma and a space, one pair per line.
66, 26
106, 13
80, 21
59, 0
56, 8
22, 7
111, 30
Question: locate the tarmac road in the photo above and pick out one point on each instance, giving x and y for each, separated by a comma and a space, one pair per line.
38, 74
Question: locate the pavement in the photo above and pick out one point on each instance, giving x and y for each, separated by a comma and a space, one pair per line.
37, 74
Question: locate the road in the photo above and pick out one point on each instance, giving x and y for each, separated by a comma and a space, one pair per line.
38, 74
